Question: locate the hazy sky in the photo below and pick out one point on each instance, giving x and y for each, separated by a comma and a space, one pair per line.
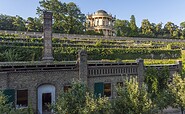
155, 11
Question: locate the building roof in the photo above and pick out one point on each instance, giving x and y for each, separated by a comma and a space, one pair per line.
101, 12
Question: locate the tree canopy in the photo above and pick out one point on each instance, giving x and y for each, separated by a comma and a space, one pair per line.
68, 18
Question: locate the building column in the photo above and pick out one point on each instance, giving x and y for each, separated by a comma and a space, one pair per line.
82, 62
179, 63
140, 71
47, 52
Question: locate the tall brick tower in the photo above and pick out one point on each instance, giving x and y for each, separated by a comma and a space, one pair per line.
47, 28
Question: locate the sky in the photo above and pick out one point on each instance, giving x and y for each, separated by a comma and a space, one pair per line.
156, 11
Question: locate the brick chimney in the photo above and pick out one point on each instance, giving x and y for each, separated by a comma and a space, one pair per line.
47, 28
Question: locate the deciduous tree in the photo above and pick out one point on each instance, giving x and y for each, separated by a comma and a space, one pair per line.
132, 99
177, 89
78, 100
6, 22
146, 28
182, 26
19, 23
67, 16
34, 24
122, 27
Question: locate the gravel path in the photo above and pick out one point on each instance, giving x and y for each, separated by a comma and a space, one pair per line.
171, 111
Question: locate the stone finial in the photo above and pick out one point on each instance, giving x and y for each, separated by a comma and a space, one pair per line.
47, 52
82, 54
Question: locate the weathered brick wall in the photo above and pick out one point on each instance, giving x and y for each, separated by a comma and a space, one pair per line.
32, 80
108, 79
92, 73
3, 80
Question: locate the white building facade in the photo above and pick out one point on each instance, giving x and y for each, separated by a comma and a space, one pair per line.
101, 21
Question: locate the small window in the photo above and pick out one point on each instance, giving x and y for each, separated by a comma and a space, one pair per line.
107, 89
102, 89
22, 98
89, 24
67, 88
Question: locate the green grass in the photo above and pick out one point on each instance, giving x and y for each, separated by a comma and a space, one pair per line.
160, 61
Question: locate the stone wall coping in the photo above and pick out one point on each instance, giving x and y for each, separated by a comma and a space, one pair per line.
27, 63
161, 65
72, 36
31, 71
93, 63
30, 63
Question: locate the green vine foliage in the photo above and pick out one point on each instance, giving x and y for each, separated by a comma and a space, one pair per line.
11, 55
69, 53
20, 53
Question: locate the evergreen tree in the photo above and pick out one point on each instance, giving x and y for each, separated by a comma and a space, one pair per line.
133, 26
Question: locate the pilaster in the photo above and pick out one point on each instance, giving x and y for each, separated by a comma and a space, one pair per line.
82, 61
140, 70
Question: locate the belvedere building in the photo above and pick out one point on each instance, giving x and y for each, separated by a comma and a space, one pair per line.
101, 21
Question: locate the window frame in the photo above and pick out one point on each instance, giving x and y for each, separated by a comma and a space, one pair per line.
18, 94
102, 90
110, 89
67, 89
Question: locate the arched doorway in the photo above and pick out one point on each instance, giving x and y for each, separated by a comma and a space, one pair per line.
46, 95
